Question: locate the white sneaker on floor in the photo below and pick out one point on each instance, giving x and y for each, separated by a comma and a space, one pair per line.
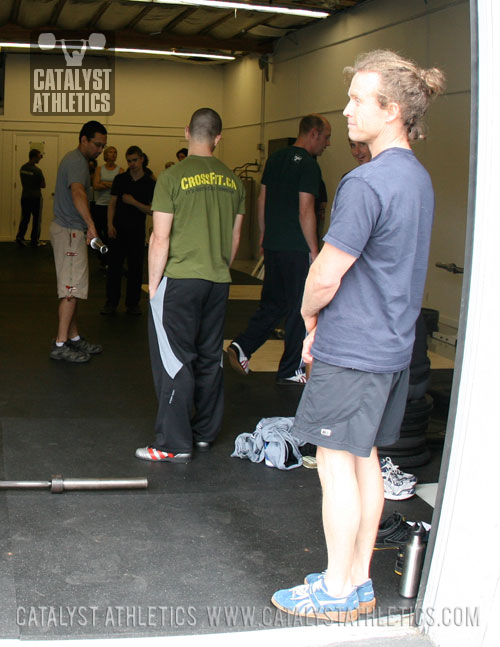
387, 466
397, 489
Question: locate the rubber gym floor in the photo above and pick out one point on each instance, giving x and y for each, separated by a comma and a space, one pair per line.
205, 546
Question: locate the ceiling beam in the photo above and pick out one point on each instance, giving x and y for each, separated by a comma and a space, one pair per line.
216, 23
57, 12
96, 17
242, 32
132, 39
345, 3
195, 41
139, 17
14, 14
179, 18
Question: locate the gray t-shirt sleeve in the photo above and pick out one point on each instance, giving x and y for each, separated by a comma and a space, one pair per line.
355, 212
77, 171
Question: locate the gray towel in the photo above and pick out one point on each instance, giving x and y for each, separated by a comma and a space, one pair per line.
271, 441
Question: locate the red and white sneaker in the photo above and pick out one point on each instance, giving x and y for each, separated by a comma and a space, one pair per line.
158, 455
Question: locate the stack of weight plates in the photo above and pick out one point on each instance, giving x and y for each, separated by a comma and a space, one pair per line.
411, 450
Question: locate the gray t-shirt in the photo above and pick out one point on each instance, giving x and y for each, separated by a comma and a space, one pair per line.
382, 214
74, 167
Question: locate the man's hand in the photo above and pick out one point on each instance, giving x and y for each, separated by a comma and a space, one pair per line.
307, 345
91, 233
111, 231
261, 240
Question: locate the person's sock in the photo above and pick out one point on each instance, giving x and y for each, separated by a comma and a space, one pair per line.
59, 344
75, 338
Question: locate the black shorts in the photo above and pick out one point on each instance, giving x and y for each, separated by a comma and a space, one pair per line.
343, 408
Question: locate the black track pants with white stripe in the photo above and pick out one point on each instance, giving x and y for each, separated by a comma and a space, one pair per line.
186, 335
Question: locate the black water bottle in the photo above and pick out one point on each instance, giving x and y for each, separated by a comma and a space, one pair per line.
414, 552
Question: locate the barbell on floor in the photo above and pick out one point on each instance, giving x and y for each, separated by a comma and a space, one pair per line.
58, 484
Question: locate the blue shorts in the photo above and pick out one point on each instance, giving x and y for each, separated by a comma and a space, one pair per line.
343, 408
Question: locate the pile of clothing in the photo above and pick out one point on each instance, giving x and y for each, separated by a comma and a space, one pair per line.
271, 442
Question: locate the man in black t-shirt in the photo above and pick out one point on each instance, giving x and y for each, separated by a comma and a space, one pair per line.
131, 198
32, 181
287, 222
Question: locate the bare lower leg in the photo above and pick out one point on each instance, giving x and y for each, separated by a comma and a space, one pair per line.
371, 491
67, 327
341, 516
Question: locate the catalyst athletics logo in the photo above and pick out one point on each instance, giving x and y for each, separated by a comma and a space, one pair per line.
72, 73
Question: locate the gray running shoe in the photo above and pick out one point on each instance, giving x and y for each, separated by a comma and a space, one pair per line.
83, 346
69, 354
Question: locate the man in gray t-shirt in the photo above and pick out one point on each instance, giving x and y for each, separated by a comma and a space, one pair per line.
71, 231
361, 300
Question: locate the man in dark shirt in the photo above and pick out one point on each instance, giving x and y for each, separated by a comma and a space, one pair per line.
131, 197
32, 181
287, 222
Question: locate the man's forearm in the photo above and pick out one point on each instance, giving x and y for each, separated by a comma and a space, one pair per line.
82, 206
145, 208
157, 260
261, 209
111, 212
236, 236
129, 199
307, 221
324, 279
316, 296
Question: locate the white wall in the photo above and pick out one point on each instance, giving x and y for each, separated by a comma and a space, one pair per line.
465, 568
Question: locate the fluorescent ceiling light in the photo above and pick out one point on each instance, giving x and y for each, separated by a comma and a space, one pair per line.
154, 52
19, 45
244, 6
160, 52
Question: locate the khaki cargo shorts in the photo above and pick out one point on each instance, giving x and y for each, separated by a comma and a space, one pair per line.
71, 259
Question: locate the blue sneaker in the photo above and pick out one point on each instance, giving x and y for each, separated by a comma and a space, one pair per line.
366, 594
314, 601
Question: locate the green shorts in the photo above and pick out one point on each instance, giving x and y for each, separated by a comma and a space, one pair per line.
343, 408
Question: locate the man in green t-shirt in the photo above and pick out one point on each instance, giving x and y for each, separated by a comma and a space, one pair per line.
287, 222
198, 209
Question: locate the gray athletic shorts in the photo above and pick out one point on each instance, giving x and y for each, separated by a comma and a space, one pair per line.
343, 408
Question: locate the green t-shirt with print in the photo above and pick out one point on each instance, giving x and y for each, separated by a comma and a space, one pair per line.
205, 196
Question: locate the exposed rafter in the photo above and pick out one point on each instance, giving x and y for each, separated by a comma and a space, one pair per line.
178, 19
15, 11
100, 12
57, 12
139, 17
216, 23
